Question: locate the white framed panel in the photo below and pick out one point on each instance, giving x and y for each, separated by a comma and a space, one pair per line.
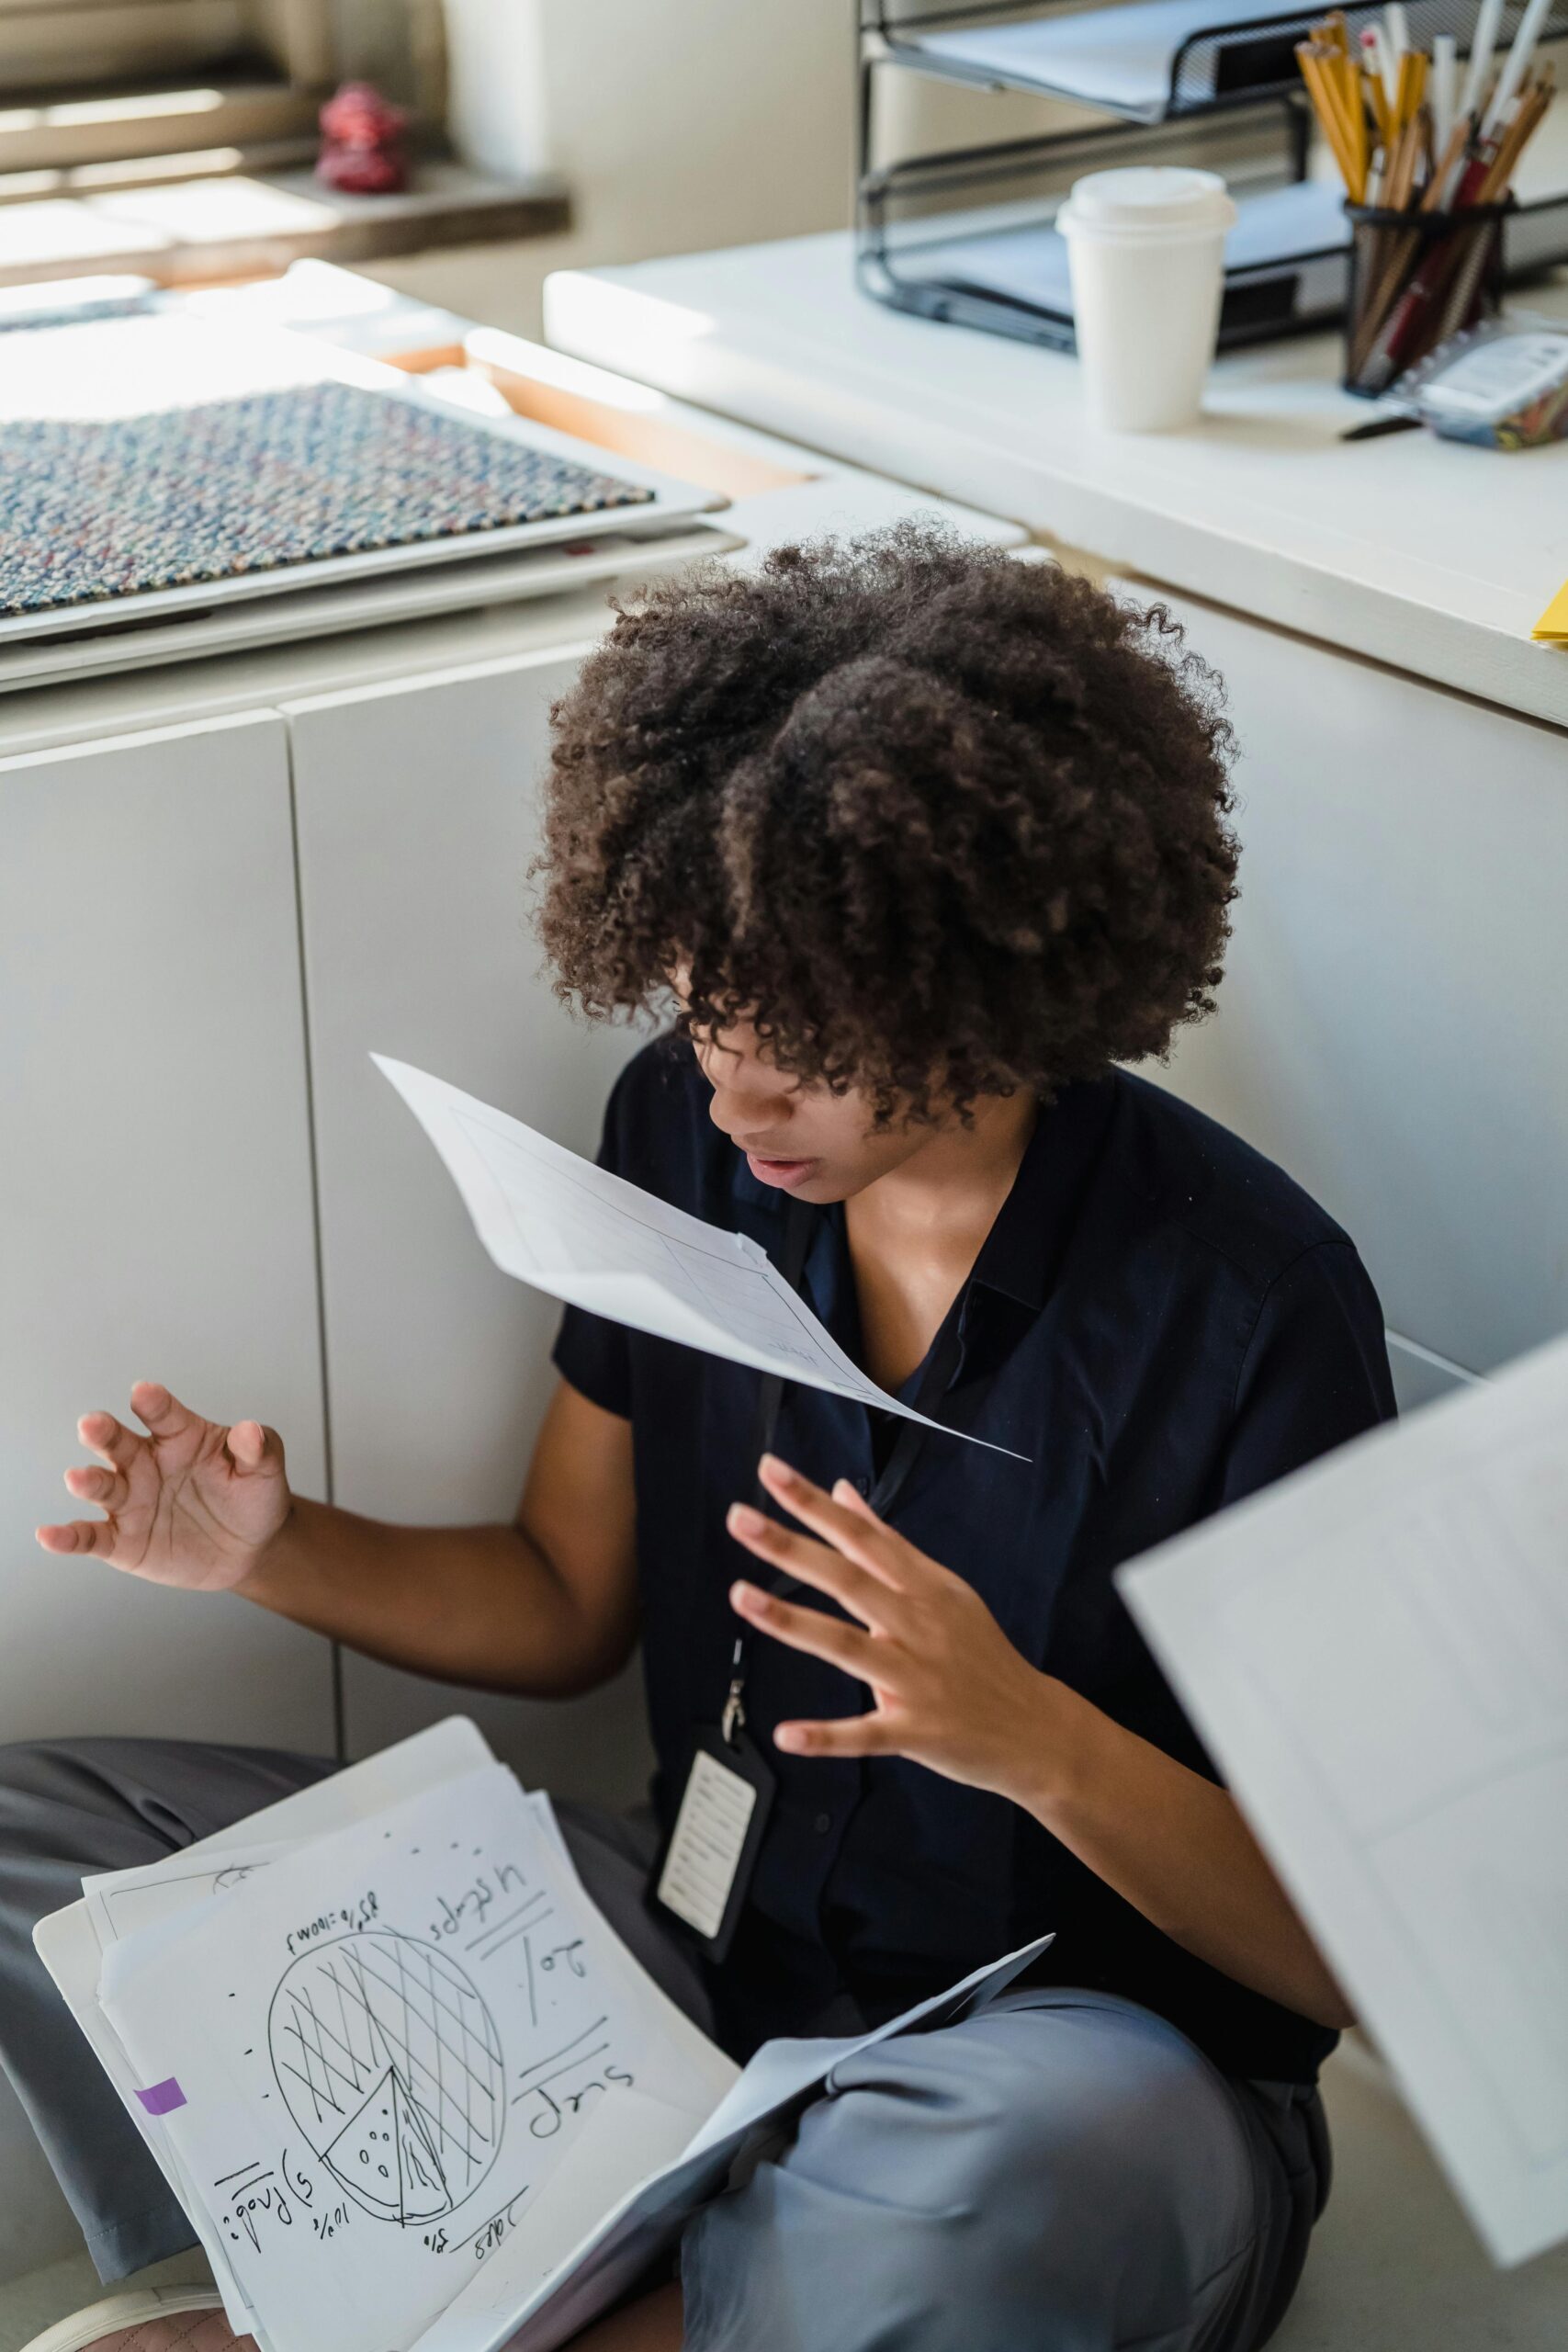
1390, 1026
416, 813
155, 1209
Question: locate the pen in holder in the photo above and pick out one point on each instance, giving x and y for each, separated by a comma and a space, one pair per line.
1417, 276
1428, 169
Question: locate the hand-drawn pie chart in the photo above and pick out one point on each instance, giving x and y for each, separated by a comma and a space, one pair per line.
391, 2067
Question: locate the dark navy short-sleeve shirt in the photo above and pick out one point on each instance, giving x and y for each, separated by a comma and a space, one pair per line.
1162, 1322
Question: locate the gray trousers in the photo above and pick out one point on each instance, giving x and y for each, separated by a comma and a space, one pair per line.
1061, 2172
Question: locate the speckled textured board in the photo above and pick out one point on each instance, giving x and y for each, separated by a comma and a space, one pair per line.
103, 507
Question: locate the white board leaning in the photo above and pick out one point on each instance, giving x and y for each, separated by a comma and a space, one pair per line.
1376, 1652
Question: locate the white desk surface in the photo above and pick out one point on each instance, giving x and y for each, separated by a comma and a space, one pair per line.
1430, 556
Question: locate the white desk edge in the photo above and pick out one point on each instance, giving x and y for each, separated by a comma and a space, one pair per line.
1431, 557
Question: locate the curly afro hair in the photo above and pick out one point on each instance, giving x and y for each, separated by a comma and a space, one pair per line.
940, 823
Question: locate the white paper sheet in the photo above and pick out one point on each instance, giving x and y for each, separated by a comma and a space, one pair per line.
122, 1903
1377, 1652
587, 1237
1119, 58
72, 1942
385, 2043
158, 1897
610, 2168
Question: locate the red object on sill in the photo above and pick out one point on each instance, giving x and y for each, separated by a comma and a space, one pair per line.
362, 142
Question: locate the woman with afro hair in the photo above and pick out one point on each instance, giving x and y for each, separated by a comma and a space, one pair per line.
914, 847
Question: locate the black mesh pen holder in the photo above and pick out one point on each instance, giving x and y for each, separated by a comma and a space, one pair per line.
1416, 279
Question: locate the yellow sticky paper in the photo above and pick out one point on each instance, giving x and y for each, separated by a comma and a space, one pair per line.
1552, 626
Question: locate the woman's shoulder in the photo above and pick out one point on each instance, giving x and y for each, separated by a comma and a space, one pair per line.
1228, 1197
1247, 1266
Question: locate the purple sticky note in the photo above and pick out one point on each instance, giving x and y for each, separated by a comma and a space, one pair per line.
162, 2098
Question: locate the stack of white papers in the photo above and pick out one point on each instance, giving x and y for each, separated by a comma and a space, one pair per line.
409, 2087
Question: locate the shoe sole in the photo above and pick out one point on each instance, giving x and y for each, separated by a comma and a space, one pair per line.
74, 2334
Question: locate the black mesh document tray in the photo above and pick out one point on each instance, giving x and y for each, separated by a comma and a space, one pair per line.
1153, 59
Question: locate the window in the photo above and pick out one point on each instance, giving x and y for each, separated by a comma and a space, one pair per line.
93, 83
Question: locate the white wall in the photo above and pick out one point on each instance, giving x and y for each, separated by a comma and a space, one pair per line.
677, 124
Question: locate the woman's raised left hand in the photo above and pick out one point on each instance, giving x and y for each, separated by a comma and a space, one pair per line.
948, 1688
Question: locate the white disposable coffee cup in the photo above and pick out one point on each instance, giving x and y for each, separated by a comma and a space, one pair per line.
1146, 246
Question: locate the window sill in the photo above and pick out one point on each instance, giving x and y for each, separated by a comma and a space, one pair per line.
233, 224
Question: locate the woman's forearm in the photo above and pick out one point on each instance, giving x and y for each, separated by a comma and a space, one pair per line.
479, 1605
1176, 1848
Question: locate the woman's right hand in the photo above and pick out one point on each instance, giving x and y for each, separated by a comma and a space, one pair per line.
193, 1503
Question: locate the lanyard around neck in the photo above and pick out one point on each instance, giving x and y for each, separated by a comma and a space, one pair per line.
941, 1365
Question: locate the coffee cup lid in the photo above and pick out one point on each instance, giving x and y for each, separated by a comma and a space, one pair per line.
1149, 200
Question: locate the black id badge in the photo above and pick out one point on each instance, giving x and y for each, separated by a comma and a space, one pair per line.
705, 1868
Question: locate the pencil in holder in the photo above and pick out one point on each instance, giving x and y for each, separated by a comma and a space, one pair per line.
1416, 278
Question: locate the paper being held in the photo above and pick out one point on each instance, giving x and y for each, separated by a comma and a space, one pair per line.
591, 1239
1377, 1652
413, 2091
382, 2048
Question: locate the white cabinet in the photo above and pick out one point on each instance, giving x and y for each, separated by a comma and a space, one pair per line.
1390, 1025
156, 1208
163, 1213
416, 813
